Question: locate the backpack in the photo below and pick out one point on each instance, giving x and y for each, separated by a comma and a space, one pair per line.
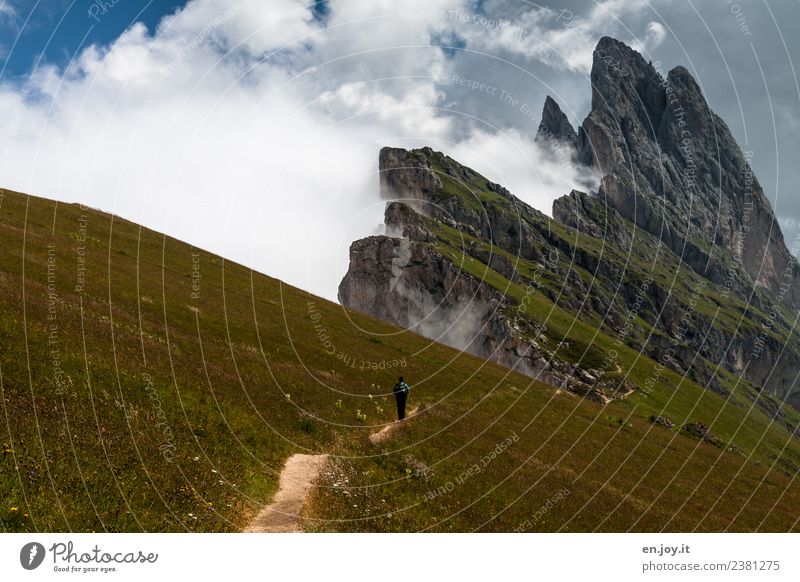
402, 387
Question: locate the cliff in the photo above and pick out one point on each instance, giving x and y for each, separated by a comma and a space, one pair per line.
676, 261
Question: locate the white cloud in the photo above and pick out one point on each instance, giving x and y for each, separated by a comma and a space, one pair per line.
565, 39
653, 35
257, 27
512, 159
189, 132
251, 131
407, 114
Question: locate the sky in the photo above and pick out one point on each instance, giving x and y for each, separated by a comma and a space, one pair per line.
251, 128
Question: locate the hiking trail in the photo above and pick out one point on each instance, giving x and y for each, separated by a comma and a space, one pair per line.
296, 481
388, 430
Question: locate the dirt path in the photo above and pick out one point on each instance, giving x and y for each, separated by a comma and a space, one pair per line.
388, 430
297, 479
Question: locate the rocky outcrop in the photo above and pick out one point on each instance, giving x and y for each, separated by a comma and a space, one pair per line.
648, 258
408, 283
555, 127
593, 216
445, 193
499, 231
405, 174
671, 166
412, 285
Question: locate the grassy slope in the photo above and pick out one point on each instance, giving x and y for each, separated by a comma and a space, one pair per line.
734, 419
239, 379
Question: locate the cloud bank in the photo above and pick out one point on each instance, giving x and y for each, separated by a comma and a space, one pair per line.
252, 129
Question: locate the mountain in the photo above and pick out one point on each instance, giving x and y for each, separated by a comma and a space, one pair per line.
149, 385
671, 166
642, 266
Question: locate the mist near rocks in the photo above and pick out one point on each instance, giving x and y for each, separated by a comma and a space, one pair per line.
535, 173
457, 326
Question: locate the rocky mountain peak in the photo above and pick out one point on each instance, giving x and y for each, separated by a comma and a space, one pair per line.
623, 81
671, 165
555, 126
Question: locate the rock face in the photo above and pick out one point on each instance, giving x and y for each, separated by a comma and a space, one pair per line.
671, 166
677, 256
411, 176
555, 126
414, 286
409, 283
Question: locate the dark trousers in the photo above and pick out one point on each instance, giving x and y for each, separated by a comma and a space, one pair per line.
401, 398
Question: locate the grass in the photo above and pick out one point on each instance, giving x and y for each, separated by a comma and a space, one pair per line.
130, 404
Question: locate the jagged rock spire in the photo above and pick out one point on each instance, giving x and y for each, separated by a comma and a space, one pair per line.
672, 166
555, 126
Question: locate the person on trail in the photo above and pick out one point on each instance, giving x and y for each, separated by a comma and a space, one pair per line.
401, 391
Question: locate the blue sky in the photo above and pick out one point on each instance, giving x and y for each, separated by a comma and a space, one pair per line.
55, 30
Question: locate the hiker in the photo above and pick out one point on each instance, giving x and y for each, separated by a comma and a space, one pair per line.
401, 391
